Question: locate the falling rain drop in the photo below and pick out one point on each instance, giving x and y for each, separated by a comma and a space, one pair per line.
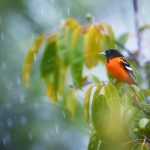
57, 131
68, 11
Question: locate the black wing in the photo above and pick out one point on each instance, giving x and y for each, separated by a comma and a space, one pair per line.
128, 68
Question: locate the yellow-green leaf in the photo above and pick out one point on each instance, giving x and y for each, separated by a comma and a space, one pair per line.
92, 46
94, 142
70, 101
87, 103
29, 59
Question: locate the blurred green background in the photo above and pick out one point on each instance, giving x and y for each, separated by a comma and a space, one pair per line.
28, 121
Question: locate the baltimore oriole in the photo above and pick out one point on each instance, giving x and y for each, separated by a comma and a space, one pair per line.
118, 67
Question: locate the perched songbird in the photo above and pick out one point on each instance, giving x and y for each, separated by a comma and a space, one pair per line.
118, 66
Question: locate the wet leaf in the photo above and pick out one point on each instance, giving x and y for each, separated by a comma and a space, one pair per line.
138, 94
100, 114
77, 60
146, 91
140, 146
94, 142
70, 101
112, 98
87, 103
108, 39
143, 123
29, 59
92, 46
50, 68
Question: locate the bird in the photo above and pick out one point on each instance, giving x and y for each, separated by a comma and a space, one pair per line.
118, 67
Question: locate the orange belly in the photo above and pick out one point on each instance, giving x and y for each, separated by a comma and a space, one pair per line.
117, 71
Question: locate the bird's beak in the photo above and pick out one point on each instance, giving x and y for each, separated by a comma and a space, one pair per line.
102, 53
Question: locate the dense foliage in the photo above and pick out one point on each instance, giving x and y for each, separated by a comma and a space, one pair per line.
119, 113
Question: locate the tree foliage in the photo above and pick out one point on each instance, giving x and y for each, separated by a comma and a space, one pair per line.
119, 113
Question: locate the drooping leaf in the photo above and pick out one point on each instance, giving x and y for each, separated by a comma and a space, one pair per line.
65, 37
87, 103
92, 46
77, 59
112, 98
70, 101
98, 89
49, 58
50, 68
29, 59
138, 94
100, 114
108, 40
94, 142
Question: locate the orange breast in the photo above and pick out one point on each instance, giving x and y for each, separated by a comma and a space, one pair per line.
117, 71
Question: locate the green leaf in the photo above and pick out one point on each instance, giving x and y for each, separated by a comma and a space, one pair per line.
70, 101
123, 38
87, 103
65, 38
98, 89
49, 59
64, 44
146, 91
92, 46
143, 123
50, 68
138, 94
29, 59
100, 114
77, 62
112, 98
94, 142
108, 39
147, 72
140, 146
